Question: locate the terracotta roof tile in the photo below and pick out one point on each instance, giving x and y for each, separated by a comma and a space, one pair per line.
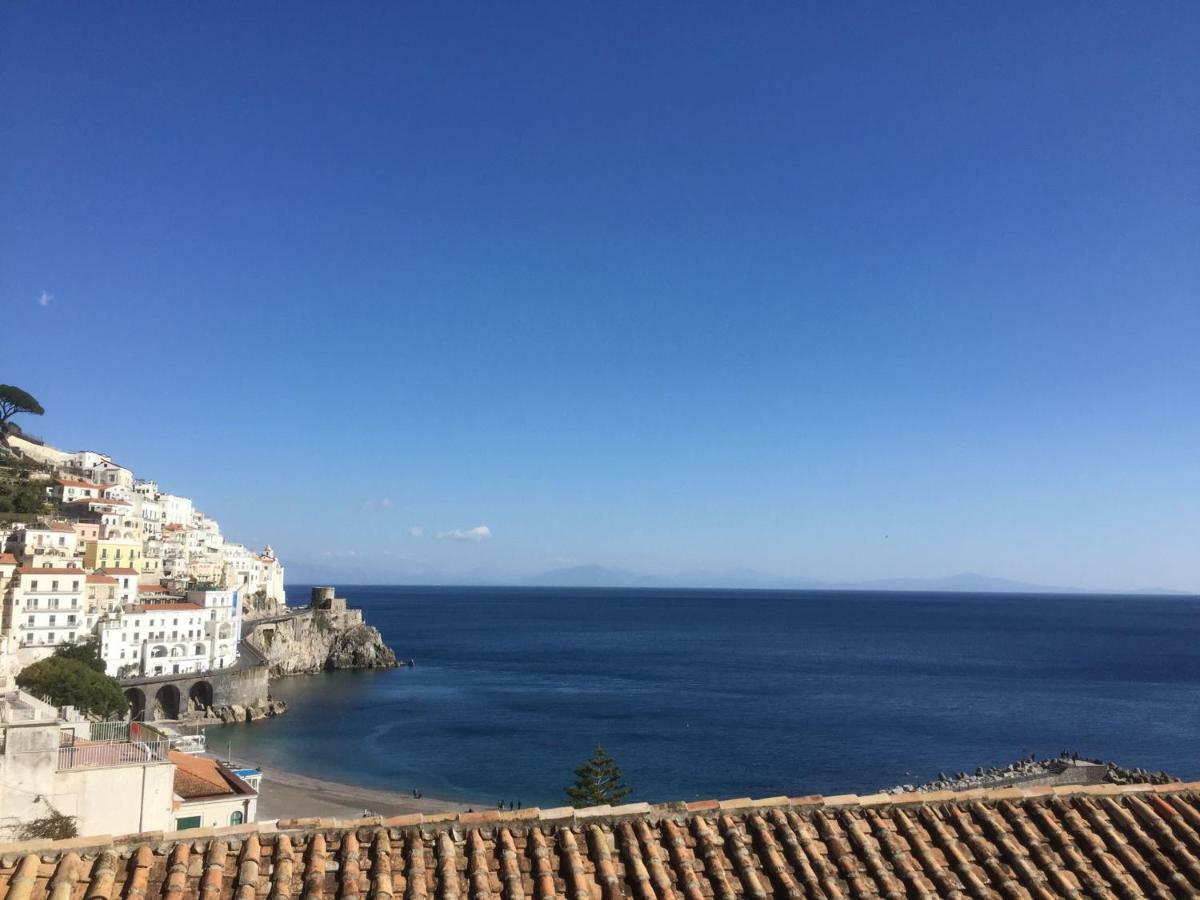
7, 559
1087, 843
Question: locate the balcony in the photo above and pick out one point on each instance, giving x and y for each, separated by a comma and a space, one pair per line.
94, 745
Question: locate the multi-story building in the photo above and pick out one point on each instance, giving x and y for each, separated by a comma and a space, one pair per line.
52, 543
127, 583
68, 490
171, 636
102, 597
45, 608
176, 510
98, 468
106, 553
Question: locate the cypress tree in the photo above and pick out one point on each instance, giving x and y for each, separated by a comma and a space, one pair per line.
597, 782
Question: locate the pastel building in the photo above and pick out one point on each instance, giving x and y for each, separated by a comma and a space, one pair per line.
106, 553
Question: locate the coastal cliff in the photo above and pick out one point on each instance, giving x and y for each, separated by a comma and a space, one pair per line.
319, 639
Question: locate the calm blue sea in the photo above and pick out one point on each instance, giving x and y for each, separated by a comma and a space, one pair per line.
730, 693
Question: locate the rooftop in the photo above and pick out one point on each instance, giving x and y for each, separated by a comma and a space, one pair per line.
1098, 841
200, 776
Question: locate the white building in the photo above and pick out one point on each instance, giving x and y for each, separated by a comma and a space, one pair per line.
176, 510
210, 795
98, 468
44, 608
67, 490
113, 777
54, 543
169, 637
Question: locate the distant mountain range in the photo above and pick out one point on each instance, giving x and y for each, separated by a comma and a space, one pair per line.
366, 572
965, 582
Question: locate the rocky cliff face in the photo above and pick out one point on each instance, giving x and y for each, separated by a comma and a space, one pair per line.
319, 640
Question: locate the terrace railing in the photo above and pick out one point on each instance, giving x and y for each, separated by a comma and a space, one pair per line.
104, 744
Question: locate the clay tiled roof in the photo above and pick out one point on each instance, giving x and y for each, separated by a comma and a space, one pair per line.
47, 570
74, 482
171, 607
100, 579
7, 559
1105, 841
199, 776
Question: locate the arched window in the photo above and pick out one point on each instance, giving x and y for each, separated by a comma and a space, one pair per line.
236, 817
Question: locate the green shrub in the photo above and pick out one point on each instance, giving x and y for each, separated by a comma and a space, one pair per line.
64, 681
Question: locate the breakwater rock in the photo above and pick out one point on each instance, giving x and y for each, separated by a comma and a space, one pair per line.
267, 709
1031, 772
324, 636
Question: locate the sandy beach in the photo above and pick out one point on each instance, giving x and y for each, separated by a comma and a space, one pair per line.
285, 795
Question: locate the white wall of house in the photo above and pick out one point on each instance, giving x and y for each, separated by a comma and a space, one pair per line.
216, 812
31, 783
45, 607
166, 639
176, 510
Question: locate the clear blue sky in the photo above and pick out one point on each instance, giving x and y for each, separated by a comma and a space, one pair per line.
869, 291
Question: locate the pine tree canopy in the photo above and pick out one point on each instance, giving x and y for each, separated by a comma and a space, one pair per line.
597, 782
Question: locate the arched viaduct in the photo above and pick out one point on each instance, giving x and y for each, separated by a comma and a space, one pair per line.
194, 695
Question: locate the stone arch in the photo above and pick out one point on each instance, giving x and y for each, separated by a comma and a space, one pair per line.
137, 703
200, 650
158, 651
166, 702
200, 696
179, 650
225, 631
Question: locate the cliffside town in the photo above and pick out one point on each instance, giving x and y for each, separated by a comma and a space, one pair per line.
151, 579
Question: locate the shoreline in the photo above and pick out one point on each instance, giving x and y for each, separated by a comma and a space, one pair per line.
290, 795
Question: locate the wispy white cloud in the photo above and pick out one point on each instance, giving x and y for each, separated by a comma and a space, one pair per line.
476, 534
45, 299
385, 502
416, 531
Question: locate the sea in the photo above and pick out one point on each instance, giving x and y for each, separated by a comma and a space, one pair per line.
720, 693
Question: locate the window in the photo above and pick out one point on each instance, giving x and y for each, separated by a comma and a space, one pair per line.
33, 585
236, 817
31, 621
52, 618
54, 585
187, 822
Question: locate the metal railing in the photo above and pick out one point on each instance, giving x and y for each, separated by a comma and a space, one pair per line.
102, 755
101, 744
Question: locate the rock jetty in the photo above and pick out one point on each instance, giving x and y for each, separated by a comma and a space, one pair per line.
1030, 772
235, 713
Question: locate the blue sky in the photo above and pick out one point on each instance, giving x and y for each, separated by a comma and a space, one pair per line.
869, 291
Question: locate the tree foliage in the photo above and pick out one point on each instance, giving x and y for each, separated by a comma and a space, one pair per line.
64, 681
597, 782
13, 400
86, 652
